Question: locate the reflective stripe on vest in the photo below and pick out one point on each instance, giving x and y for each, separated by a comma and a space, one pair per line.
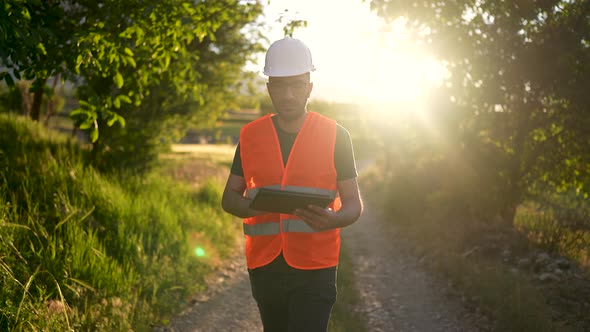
267, 228
272, 228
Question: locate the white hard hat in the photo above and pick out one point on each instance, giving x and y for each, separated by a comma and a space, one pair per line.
287, 57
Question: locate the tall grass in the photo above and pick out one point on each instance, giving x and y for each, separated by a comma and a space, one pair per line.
547, 228
82, 251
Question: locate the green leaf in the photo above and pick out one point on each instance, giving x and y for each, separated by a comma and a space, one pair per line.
94, 134
77, 111
86, 124
116, 118
116, 103
128, 51
166, 61
125, 99
118, 79
25, 13
42, 48
131, 62
112, 121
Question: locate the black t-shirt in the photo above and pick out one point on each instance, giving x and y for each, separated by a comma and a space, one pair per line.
343, 152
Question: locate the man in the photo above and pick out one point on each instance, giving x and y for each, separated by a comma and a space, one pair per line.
292, 259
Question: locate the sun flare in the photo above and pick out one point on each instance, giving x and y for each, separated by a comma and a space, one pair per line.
359, 58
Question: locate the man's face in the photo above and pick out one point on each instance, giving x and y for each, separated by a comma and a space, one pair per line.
289, 95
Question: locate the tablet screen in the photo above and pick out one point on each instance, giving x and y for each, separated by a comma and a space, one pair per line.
283, 201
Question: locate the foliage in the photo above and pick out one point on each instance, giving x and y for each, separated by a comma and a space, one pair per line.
10, 99
290, 22
167, 110
221, 57
558, 229
465, 252
36, 43
514, 303
121, 54
82, 251
514, 107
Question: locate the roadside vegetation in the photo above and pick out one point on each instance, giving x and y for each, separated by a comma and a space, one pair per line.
531, 274
110, 232
100, 232
85, 251
491, 178
344, 317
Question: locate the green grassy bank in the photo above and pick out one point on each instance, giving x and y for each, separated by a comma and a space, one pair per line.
86, 252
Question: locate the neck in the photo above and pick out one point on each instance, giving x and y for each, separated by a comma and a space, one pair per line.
292, 125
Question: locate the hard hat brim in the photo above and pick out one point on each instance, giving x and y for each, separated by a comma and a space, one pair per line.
285, 73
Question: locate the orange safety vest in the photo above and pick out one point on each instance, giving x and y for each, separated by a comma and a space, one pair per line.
310, 168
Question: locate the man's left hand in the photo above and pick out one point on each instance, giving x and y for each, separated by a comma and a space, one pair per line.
318, 218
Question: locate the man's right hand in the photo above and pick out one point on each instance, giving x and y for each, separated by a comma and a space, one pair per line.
233, 200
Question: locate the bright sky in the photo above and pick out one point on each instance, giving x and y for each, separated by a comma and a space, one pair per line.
358, 57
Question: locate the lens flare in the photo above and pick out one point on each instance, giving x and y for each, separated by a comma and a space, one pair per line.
200, 252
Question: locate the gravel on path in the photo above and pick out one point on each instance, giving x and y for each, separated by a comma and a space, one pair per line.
397, 294
226, 305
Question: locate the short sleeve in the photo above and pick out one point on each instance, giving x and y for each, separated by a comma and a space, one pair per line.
344, 155
236, 166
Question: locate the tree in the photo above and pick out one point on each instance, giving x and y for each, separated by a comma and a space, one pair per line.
116, 51
519, 76
196, 87
35, 43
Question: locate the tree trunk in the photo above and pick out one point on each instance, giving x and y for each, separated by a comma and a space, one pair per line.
37, 99
51, 102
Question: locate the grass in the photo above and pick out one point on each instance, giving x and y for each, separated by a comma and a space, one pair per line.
343, 317
195, 163
82, 251
510, 299
546, 230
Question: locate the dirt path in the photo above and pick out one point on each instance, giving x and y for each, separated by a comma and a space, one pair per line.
397, 294
227, 305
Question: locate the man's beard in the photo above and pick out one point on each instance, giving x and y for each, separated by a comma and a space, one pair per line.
291, 115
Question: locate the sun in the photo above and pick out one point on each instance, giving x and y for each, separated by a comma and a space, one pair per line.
377, 67
398, 76
359, 57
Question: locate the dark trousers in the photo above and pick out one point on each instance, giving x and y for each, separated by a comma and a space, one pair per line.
292, 300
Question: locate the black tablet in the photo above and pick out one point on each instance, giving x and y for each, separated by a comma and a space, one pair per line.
284, 201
